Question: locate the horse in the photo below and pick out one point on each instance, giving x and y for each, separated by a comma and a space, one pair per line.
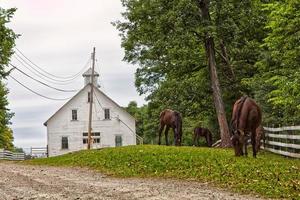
170, 119
246, 118
202, 132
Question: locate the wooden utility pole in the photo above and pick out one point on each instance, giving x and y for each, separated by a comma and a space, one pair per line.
91, 101
210, 52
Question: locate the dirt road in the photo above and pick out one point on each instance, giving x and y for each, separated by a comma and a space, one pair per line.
32, 182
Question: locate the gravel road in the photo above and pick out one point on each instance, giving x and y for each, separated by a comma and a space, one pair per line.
34, 182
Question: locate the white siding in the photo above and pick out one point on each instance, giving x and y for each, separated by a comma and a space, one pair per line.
61, 124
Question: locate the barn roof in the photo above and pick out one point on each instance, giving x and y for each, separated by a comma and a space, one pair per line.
97, 89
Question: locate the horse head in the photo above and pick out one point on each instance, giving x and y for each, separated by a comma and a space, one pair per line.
238, 139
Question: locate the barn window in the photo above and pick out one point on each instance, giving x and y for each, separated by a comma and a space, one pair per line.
106, 113
118, 140
64, 143
74, 114
95, 137
89, 97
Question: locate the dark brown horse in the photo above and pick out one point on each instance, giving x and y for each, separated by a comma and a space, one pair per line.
202, 132
170, 119
246, 117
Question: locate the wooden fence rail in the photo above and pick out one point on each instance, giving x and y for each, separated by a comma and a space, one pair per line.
8, 155
283, 140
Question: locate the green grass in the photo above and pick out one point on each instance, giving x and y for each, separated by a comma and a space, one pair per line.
268, 175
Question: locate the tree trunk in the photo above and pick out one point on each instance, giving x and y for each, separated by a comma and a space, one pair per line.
210, 52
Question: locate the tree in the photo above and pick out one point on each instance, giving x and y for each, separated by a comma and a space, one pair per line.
7, 43
7, 40
210, 51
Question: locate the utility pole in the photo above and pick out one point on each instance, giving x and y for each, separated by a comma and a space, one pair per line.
91, 101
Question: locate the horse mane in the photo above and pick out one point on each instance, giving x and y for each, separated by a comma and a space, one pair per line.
238, 113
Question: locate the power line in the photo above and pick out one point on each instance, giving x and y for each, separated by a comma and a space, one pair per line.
58, 89
98, 101
36, 92
36, 70
42, 76
59, 77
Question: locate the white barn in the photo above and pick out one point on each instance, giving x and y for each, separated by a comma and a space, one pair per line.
111, 124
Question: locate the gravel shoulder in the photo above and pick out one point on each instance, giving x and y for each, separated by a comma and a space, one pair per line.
39, 182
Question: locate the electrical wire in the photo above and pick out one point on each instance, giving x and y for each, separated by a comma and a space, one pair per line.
56, 99
59, 77
58, 89
52, 79
42, 77
98, 101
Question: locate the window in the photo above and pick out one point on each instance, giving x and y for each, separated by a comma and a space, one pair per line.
74, 114
89, 97
95, 137
64, 143
118, 140
106, 113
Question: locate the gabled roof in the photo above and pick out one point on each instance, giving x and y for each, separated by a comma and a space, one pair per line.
89, 73
45, 124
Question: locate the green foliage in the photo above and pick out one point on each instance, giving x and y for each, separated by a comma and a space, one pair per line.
268, 175
7, 42
277, 83
7, 39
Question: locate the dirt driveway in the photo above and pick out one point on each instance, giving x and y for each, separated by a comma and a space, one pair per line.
33, 182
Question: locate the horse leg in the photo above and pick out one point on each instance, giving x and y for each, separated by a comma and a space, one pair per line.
245, 144
253, 141
166, 135
161, 128
175, 135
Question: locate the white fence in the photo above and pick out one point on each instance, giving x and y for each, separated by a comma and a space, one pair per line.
8, 155
284, 140
39, 152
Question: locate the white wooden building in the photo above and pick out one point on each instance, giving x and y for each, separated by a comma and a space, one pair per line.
111, 124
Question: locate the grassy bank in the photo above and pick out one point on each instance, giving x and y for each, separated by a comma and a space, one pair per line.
269, 175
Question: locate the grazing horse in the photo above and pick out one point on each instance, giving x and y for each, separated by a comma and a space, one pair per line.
170, 119
246, 117
202, 132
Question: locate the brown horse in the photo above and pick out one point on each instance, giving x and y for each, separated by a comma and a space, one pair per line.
246, 117
202, 132
170, 119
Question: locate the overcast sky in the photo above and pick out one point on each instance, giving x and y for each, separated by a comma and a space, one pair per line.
59, 35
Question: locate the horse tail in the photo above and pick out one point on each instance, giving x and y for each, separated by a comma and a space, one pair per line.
235, 121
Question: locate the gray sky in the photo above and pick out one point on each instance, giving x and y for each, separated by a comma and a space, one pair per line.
59, 35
